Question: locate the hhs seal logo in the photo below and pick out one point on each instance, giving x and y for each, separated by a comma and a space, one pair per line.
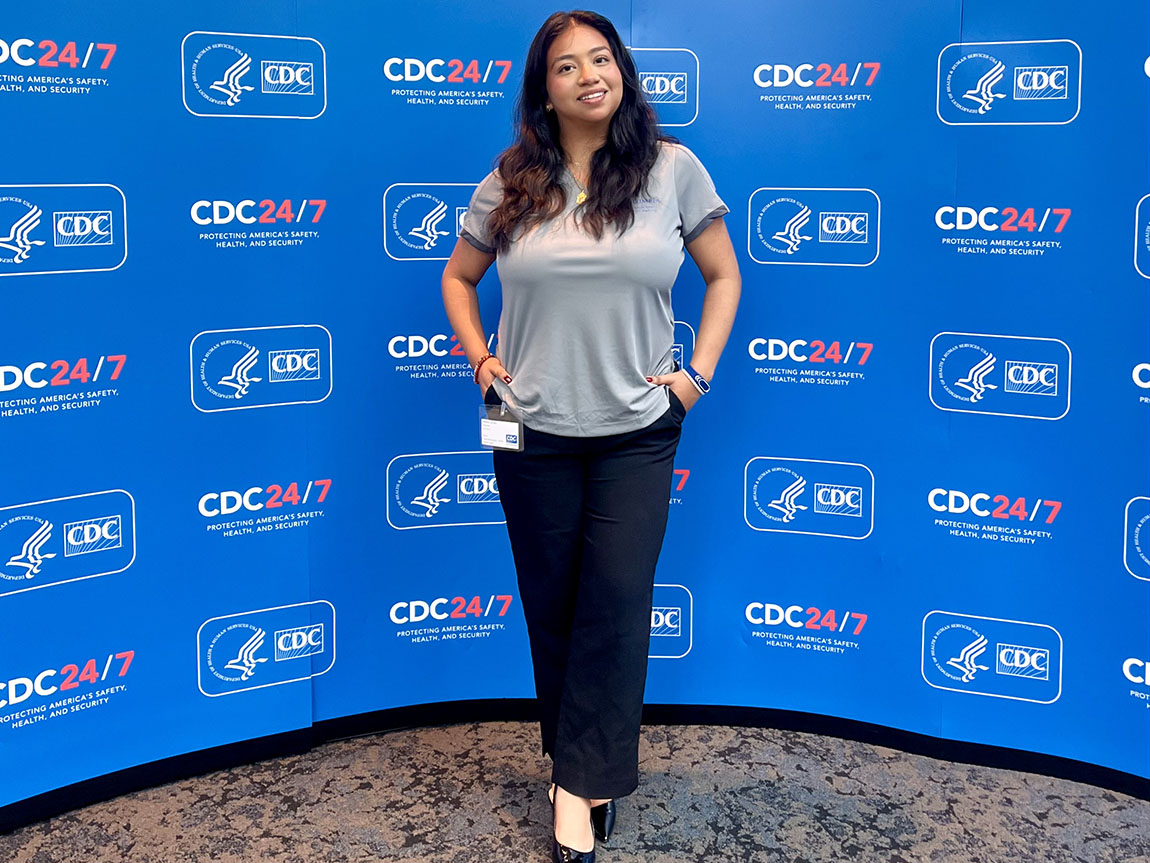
670, 80
1136, 551
1142, 237
260, 367
818, 498
247, 75
442, 489
66, 539
1009, 83
423, 220
268, 647
828, 227
1000, 375
988, 656
61, 229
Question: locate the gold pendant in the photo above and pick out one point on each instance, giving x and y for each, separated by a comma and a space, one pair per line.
581, 197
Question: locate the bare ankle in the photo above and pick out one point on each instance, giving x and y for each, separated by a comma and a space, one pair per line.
572, 822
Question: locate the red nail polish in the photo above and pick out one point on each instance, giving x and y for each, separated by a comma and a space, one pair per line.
507, 379
649, 380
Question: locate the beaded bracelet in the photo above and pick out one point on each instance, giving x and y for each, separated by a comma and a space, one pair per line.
479, 364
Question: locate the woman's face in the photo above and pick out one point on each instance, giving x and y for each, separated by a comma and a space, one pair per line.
584, 84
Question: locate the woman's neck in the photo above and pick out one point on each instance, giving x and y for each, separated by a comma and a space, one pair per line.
579, 145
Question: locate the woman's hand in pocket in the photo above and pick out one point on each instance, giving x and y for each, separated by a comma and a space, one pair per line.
677, 382
489, 371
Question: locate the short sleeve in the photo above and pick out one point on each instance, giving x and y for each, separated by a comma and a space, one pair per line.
699, 203
475, 222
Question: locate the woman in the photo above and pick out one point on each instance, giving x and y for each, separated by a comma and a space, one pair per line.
587, 215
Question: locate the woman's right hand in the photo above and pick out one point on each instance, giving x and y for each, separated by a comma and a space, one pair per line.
489, 371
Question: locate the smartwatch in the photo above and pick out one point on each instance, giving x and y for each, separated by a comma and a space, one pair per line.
697, 379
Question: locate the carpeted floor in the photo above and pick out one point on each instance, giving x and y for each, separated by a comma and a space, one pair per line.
474, 793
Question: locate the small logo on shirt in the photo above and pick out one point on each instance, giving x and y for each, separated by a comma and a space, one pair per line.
647, 204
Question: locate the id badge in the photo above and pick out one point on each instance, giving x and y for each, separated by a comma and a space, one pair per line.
498, 427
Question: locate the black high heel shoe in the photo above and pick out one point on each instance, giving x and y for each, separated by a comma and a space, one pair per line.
603, 820
563, 854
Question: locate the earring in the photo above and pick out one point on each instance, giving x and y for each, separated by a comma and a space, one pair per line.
548, 107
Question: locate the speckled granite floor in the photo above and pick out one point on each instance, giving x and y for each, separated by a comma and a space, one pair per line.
473, 793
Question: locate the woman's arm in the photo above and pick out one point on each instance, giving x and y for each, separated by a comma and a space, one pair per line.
713, 253
461, 302
715, 256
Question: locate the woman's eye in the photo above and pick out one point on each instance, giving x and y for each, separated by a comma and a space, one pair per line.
566, 67
603, 57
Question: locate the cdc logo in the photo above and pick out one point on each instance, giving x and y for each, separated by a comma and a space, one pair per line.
1142, 237
666, 621
266, 647
477, 488
838, 499
1011, 376
66, 539
296, 79
1136, 551
818, 498
422, 220
260, 367
298, 642
815, 227
672, 627
92, 228
992, 657
222, 78
61, 229
1039, 379
93, 534
664, 87
1019, 660
299, 364
1009, 83
442, 489
670, 80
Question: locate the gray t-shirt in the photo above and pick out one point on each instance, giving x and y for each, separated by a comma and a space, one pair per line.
586, 321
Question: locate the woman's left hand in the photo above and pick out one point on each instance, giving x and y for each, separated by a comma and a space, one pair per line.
680, 386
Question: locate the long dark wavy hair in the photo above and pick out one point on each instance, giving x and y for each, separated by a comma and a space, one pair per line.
532, 167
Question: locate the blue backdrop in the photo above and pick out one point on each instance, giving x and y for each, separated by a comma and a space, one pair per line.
917, 495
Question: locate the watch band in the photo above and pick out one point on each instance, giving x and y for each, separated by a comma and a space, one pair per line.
697, 379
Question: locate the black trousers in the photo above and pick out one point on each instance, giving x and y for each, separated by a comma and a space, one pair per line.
586, 518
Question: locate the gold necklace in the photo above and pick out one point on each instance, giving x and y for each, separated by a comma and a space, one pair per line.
582, 196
